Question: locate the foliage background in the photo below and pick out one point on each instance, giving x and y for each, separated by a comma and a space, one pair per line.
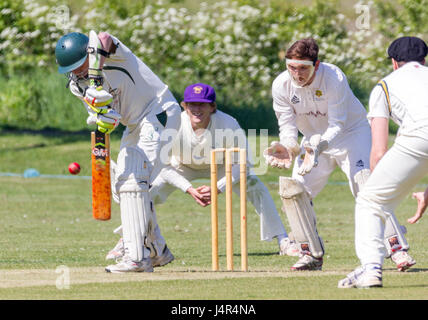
236, 46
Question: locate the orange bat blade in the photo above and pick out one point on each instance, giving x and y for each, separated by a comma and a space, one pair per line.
101, 187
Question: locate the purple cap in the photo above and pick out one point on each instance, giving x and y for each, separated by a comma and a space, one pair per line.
199, 92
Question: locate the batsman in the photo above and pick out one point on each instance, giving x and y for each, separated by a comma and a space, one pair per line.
126, 91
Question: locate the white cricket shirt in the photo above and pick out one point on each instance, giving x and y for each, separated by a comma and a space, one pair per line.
327, 106
194, 151
403, 98
136, 90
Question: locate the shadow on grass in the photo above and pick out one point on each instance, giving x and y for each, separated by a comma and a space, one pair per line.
255, 254
411, 270
410, 286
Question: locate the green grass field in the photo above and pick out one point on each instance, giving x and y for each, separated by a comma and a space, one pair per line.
47, 233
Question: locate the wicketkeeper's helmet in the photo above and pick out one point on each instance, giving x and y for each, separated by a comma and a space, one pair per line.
71, 51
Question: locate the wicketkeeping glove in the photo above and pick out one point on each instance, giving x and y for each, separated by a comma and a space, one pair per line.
314, 147
281, 155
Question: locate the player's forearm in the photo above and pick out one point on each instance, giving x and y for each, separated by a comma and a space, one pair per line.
106, 43
375, 157
337, 115
105, 39
379, 129
286, 136
221, 184
170, 175
332, 132
287, 126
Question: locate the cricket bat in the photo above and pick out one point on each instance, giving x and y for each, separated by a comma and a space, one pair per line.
100, 158
101, 186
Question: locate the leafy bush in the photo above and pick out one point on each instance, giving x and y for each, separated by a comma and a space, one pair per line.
236, 46
40, 100
28, 34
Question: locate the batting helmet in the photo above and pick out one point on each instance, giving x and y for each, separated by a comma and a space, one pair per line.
71, 51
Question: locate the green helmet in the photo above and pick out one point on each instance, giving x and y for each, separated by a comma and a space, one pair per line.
71, 51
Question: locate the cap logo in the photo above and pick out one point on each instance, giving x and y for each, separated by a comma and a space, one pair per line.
197, 90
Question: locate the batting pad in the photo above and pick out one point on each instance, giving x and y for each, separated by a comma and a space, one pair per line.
136, 216
132, 186
301, 215
131, 172
113, 181
155, 241
394, 235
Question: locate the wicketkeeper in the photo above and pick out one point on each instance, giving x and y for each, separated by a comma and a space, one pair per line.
132, 94
204, 127
314, 98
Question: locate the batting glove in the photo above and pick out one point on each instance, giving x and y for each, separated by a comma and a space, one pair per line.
108, 121
98, 99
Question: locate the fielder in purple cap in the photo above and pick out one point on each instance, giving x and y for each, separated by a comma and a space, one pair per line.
199, 103
199, 92
202, 128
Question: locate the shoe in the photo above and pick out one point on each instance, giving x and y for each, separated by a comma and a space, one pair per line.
351, 278
165, 258
403, 260
128, 265
289, 248
362, 278
117, 252
307, 262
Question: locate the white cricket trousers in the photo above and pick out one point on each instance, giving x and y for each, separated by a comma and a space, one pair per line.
138, 163
352, 154
257, 193
392, 179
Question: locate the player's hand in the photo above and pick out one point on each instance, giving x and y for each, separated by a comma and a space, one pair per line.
422, 205
278, 156
98, 99
108, 121
198, 197
313, 148
205, 192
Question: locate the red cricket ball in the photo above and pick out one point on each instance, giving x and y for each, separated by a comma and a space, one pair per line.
74, 168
